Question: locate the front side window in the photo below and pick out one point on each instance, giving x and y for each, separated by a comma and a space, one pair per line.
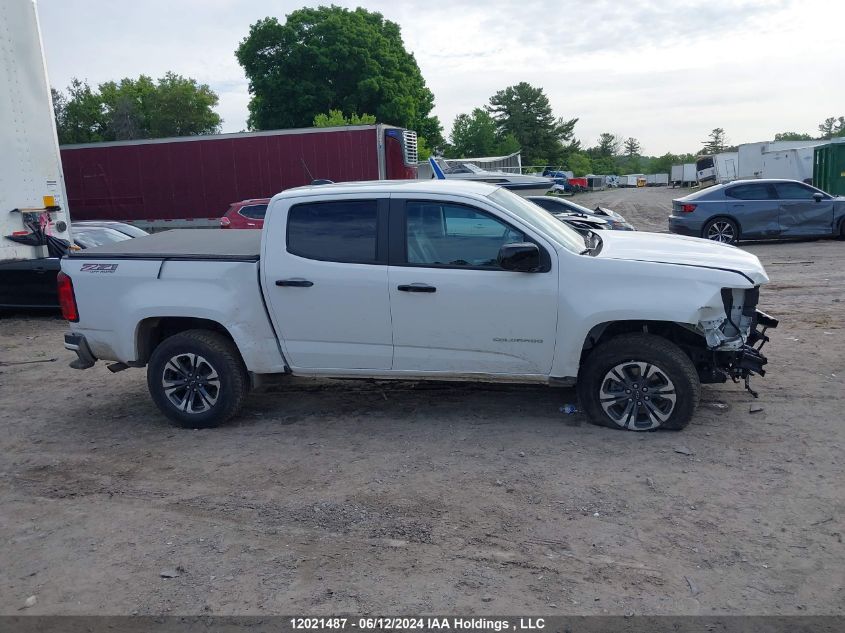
254, 211
444, 234
793, 191
343, 231
749, 192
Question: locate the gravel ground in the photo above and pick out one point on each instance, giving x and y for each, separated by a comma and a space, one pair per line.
340, 496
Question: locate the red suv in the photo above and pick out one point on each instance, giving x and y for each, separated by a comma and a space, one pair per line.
246, 214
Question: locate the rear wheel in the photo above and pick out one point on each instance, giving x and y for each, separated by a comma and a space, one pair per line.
197, 379
722, 230
639, 382
841, 235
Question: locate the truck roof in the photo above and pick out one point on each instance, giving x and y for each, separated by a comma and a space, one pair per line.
433, 186
210, 244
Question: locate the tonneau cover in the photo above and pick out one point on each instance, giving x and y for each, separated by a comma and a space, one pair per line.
220, 244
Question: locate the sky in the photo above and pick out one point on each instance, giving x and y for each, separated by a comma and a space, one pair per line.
663, 72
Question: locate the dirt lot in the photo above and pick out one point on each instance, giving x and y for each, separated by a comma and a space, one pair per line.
357, 497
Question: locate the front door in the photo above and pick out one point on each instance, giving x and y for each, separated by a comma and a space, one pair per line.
800, 213
326, 288
454, 309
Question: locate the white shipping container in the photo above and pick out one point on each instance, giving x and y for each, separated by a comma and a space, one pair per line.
791, 164
689, 173
31, 180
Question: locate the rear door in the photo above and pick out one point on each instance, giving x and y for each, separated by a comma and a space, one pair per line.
755, 207
454, 309
800, 214
324, 269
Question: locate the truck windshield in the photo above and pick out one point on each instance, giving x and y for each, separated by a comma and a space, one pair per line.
538, 217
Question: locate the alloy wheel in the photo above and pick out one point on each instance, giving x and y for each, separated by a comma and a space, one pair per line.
721, 231
637, 395
190, 383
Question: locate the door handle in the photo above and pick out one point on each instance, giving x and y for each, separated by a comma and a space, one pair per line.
417, 288
296, 283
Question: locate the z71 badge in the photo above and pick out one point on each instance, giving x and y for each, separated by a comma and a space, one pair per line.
98, 268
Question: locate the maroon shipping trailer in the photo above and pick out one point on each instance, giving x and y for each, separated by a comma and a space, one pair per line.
192, 180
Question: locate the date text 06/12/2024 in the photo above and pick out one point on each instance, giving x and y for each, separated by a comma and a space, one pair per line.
411, 623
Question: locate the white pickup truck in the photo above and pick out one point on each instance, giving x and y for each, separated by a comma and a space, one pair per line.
419, 280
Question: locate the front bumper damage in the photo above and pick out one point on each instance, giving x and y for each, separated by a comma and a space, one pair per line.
740, 362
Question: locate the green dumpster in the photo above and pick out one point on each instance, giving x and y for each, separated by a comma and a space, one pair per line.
829, 168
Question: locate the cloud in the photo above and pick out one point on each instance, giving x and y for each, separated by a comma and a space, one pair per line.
664, 72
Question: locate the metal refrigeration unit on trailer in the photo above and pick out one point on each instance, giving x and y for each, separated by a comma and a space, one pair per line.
34, 219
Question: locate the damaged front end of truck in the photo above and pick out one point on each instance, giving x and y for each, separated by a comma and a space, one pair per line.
735, 334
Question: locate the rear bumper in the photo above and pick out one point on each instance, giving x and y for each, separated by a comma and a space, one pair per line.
84, 357
682, 226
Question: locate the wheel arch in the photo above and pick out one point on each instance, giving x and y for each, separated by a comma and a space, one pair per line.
151, 331
669, 330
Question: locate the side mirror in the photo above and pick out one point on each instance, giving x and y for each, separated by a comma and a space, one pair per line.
522, 257
818, 197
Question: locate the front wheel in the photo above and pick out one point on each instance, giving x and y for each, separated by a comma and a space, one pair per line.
639, 382
722, 230
197, 379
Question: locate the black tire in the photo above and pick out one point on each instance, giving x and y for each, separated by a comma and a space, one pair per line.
669, 373
722, 230
841, 235
215, 385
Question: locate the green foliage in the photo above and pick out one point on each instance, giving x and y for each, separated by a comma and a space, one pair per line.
716, 142
832, 126
333, 58
793, 136
525, 112
424, 152
579, 164
477, 134
135, 109
336, 118
632, 147
609, 145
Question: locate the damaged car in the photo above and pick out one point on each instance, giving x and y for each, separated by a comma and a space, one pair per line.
420, 280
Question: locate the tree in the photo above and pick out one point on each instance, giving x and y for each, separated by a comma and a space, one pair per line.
716, 142
632, 147
81, 116
524, 111
792, 136
832, 126
477, 134
609, 144
579, 163
336, 118
135, 108
331, 58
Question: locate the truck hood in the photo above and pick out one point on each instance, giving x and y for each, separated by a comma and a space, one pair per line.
685, 251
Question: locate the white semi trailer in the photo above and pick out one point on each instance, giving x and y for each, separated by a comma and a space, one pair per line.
34, 221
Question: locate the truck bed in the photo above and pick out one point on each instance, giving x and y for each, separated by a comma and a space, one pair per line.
183, 244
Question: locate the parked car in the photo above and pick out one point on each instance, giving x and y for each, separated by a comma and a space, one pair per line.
246, 214
33, 284
758, 210
426, 279
556, 205
121, 227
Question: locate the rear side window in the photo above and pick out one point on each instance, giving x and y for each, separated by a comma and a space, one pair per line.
344, 231
793, 191
749, 192
254, 211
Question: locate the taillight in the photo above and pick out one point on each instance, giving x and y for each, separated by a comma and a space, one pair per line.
67, 299
225, 222
687, 208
